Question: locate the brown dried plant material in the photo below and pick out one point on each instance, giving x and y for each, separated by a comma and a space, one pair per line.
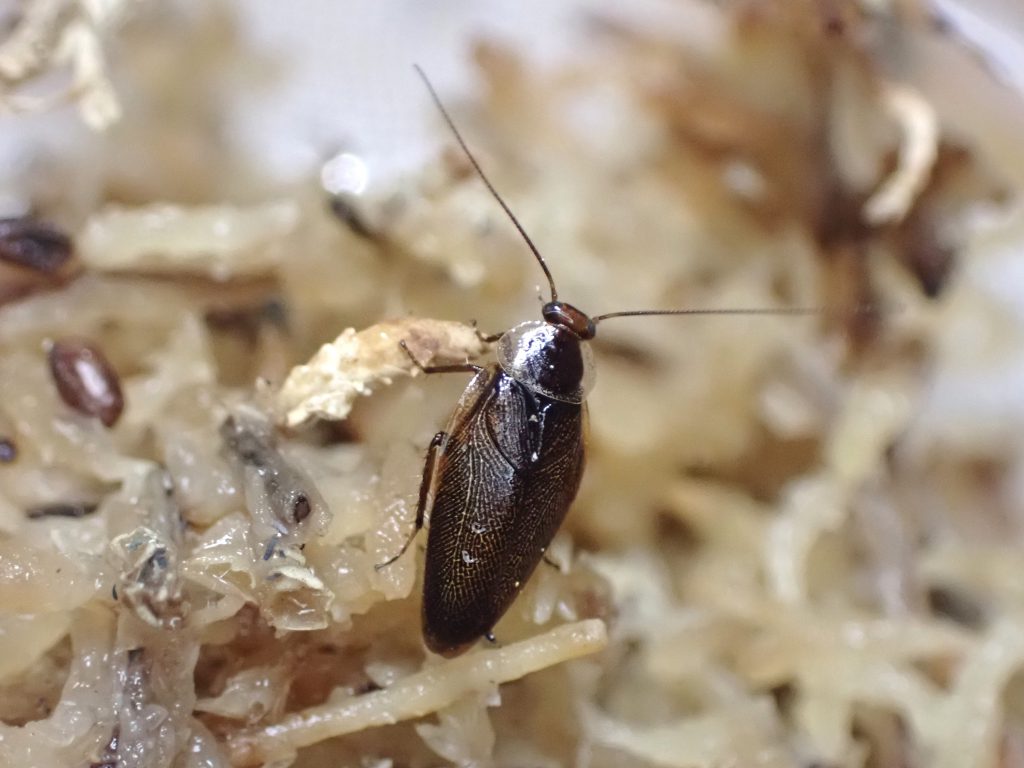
355, 362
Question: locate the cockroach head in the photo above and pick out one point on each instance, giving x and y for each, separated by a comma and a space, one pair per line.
567, 316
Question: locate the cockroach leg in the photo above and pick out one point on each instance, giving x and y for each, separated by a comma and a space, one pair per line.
486, 338
457, 368
429, 470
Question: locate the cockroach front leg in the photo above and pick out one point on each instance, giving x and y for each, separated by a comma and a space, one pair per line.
457, 368
486, 338
426, 483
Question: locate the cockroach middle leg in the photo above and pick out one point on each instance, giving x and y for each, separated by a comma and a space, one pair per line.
457, 368
429, 470
433, 452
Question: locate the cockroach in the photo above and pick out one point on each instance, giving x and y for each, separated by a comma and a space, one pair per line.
501, 477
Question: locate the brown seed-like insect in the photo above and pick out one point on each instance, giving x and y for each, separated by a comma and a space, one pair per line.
85, 379
501, 477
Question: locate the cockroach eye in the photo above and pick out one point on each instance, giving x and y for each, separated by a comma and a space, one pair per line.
567, 316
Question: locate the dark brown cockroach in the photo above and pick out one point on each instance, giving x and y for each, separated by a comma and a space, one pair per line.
500, 478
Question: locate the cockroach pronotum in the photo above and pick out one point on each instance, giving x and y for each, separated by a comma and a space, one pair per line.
500, 478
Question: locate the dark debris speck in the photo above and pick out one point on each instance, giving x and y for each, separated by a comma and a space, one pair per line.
33, 244
61, 509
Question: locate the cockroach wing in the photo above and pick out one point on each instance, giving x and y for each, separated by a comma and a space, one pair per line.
509, 470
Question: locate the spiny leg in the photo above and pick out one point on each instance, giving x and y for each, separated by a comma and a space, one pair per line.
433, 452
429, 470
486, 338
457, 368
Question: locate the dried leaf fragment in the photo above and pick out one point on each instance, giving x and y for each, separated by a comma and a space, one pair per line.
352, 364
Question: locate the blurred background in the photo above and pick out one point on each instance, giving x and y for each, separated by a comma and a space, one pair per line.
340, 72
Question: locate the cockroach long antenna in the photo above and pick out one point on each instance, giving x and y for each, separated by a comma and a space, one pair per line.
758, 311
458, 137
862, 309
